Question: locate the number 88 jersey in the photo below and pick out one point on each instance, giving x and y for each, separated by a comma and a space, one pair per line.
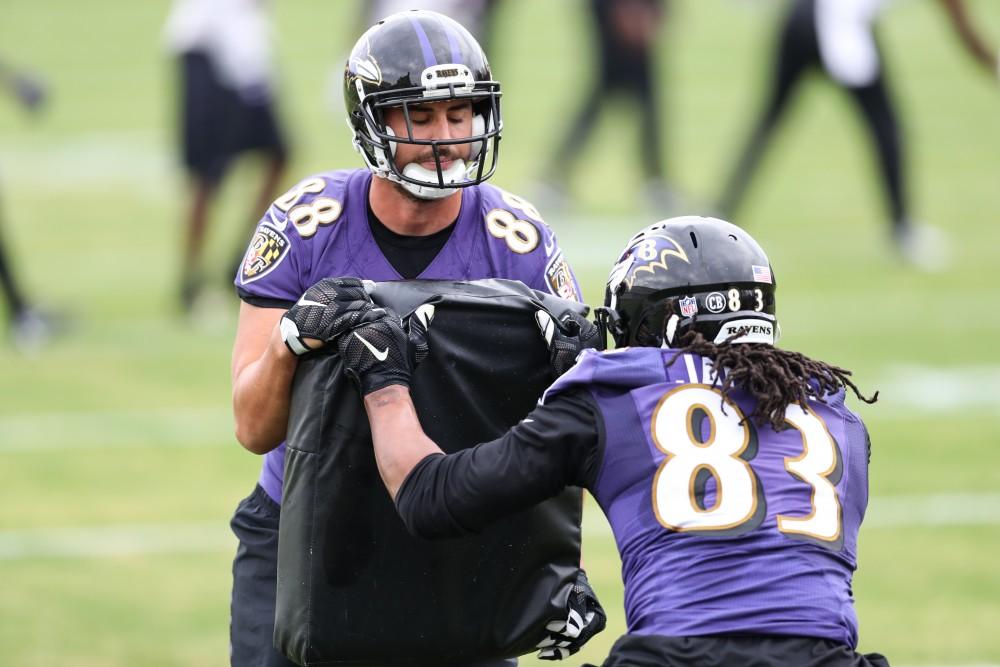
320, 228
725, 526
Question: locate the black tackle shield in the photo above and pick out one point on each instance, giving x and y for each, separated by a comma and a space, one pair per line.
353, 586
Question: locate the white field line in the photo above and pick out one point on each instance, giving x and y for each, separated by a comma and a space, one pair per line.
142, 162
907, 392
128, 540
50, 431
116, 540
924, 389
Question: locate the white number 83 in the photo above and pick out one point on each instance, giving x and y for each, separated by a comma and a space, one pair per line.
724, 454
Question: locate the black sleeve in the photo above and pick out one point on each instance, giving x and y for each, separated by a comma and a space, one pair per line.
263, 301
558, 445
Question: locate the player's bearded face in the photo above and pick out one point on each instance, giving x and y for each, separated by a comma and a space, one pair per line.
451, 119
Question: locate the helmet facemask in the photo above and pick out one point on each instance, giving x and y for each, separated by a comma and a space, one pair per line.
376, 140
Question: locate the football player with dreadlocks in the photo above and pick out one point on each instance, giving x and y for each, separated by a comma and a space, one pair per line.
731, 471
424, 112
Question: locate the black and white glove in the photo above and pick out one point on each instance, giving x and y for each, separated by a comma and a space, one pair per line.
584, 618
326, 310
566, 337
379, 352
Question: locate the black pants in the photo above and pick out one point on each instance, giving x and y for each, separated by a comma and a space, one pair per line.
8, 286
255, 582
797, 53
743, 650
217, 124
621, 69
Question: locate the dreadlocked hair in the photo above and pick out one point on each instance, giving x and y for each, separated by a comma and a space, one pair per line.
776, 378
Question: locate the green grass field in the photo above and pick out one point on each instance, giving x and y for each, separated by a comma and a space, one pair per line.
118, 469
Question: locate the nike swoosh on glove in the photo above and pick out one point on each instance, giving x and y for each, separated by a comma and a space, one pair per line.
584, 618
376, 353
326, 310
566, 337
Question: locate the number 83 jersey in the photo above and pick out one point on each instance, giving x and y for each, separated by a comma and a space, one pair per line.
320, 228
724, 526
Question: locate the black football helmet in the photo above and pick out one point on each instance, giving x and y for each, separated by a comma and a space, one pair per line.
414, 57
690, 273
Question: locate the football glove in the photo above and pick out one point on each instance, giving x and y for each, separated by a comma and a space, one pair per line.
326, 310
584, 618
379, 352
566, 338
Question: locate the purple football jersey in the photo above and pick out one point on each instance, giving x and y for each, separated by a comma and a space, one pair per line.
319, 229
724, 526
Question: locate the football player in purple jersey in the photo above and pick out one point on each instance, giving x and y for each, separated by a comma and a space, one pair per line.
424, 112
732, 473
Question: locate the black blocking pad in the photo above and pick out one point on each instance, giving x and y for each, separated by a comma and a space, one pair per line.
353, 586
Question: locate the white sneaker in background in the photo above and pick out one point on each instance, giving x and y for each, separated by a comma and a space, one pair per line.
31, 330
923, 247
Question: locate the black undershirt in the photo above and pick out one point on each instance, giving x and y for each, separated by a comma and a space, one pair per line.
559, 444
409, 255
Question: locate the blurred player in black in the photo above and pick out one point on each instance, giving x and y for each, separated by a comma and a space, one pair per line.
227, 109
839, 37
475, 15
626, 31
29, 327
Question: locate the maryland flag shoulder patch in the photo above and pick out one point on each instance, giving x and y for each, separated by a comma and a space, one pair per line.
560, 278
267, 249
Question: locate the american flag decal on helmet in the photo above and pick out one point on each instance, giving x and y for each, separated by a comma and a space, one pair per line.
761, 274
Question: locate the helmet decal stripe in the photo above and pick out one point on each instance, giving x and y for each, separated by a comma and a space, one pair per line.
425, 44
456, 55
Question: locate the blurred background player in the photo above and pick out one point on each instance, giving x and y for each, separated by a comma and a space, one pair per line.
224, 49
735, 499
30, 327
424, 112
476, 16
626, 32
839, 37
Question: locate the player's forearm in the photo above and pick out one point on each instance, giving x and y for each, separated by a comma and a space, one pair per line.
261, 397
399, 439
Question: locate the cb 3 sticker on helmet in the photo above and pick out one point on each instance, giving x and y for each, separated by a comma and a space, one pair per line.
267, 249
560, 278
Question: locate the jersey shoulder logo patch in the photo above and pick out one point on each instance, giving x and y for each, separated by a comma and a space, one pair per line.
268, 248
559, 278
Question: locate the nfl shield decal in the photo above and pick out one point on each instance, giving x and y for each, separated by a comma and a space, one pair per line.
560, 278
267, 248
689, 306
